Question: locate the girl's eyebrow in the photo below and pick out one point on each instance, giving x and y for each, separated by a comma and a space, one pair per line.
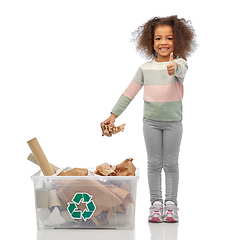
166, 36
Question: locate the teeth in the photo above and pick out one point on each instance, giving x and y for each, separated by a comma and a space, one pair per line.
164, 49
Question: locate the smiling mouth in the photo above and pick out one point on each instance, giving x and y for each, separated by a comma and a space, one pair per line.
163, 49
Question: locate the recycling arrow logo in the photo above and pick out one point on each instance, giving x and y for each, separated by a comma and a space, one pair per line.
73, 210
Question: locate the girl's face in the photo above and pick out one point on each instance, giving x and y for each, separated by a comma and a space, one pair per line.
163, 42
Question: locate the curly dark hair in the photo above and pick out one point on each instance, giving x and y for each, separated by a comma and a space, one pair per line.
183, 32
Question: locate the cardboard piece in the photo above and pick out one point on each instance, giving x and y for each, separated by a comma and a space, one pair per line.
40, 156
75, 172
107, 131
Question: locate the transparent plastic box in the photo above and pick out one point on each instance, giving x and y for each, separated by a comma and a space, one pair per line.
80, 202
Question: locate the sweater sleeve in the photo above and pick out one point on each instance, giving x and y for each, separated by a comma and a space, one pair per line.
121, 105
129, 94
182, 69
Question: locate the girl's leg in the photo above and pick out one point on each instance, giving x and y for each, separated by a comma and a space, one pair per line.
172, 136
153, 141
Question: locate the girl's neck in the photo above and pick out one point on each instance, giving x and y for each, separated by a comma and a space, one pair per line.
162, 59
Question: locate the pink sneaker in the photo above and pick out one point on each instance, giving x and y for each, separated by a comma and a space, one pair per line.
170, 213
156, 212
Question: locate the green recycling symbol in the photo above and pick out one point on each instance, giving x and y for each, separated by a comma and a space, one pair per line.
88, 211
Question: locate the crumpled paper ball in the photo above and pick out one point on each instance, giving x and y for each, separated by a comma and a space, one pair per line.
107, 131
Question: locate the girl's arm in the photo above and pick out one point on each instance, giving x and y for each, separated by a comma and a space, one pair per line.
125, 99
181, 69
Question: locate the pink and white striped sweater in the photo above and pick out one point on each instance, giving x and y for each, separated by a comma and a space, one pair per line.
162, 93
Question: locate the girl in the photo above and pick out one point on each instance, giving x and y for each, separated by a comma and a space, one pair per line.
167, 42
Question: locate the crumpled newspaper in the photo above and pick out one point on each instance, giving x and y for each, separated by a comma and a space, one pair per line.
107, 131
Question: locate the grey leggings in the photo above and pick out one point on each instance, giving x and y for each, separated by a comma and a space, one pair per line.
162, 141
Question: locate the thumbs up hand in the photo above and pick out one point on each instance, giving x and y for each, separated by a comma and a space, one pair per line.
172, 66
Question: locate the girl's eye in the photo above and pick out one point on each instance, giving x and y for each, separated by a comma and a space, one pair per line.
158, 39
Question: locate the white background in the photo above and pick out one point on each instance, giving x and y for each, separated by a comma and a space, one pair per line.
63, 66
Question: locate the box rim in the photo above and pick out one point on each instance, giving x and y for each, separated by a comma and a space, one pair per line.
37, 176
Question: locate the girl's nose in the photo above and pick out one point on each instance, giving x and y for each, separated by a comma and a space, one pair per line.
163, 41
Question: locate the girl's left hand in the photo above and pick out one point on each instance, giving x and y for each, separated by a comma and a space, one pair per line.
172, 66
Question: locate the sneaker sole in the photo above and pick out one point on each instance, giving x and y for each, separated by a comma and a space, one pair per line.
155, 219
170, 219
